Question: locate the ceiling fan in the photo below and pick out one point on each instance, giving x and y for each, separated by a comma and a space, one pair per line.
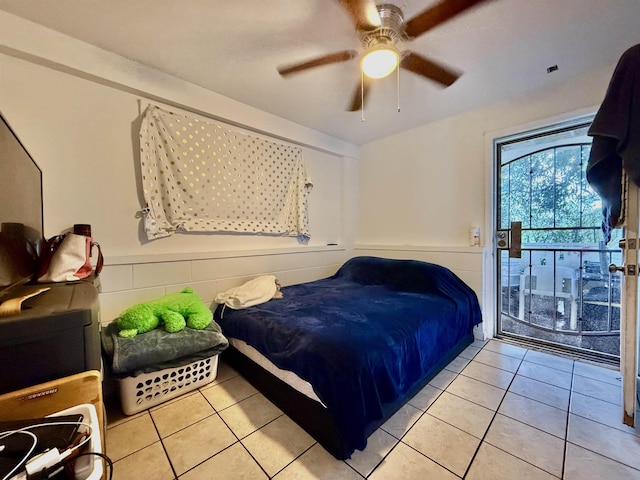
383, 33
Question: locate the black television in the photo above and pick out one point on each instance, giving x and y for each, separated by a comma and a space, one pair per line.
21, 218
55, 334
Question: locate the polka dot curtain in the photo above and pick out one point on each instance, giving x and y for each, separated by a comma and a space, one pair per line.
202, 177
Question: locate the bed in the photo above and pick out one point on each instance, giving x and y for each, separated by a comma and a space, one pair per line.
365, 340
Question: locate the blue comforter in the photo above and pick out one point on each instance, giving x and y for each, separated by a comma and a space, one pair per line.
367, 338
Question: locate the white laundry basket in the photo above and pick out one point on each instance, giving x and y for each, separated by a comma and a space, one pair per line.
150, 389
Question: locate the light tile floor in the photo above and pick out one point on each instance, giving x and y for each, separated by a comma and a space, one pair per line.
497, 411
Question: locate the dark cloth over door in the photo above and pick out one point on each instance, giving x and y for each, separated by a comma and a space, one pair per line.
616, 138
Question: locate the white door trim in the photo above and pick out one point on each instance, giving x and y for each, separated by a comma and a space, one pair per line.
629, 310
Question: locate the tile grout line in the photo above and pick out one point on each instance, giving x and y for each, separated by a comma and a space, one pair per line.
141, 448
482, 440
215, 412
430, 459
166, 453
383, 457
601, 454
597, 420
569, 413
477, 380
282, 414
356, 471
495, 413
421, 453
547, 383
531, 426
566, 429
422, 414
238, 440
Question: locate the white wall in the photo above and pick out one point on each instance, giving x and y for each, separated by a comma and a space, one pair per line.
427, 186
76, 109
423, 189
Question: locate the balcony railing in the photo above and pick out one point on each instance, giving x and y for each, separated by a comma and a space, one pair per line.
563, 291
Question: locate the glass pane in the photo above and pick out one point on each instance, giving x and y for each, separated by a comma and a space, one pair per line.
596, 300
524, 297
509, 283
518, 147
562, 238
505, 182
568, 285
543, 192
614, 285
568, 189
591, 202
519, 198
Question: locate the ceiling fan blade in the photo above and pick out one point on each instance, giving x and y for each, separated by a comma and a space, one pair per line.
317, 62
358, 94
363, 13
434, 16
428, 68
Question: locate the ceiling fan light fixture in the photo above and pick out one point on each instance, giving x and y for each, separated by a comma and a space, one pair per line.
380, 61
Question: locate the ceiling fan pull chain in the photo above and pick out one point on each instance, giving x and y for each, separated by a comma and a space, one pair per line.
398, 87
361, 96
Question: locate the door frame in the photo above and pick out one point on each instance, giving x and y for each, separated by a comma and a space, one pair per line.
629, 313
489, 295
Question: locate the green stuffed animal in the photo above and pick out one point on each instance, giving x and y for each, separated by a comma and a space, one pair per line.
175, 311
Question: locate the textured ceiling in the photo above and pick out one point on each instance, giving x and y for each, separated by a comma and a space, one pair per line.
233, 48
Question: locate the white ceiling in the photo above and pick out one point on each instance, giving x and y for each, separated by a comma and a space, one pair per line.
233, 48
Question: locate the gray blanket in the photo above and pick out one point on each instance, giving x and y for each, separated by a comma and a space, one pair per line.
158, 349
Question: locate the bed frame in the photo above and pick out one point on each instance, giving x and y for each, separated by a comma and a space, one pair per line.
310, 414
307, 413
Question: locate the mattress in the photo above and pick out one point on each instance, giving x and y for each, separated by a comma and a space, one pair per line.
287, 376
